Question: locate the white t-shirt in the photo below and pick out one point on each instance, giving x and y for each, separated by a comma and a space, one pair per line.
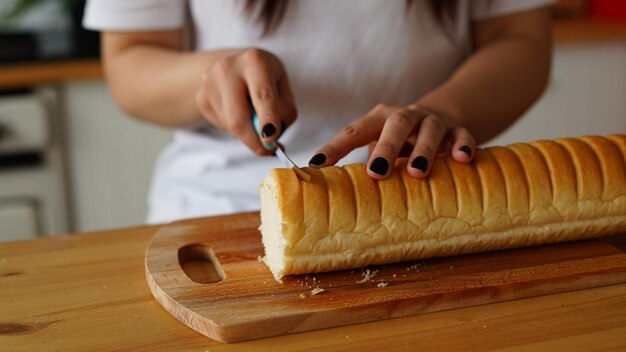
342, 58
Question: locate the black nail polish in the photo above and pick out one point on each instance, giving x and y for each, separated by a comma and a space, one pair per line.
380, 165
420, 163
467, 150
318, 159
268, 130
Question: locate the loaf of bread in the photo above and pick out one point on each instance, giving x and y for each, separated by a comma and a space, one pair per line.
520, 195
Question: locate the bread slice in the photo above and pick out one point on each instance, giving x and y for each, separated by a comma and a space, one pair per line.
520, 195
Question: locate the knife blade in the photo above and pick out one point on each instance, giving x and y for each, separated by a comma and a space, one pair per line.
280, 153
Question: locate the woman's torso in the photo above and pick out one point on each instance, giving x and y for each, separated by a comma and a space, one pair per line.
342, 58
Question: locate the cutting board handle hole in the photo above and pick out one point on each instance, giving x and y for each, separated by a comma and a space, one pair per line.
200, 264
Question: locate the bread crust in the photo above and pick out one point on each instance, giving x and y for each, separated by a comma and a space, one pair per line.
520, 195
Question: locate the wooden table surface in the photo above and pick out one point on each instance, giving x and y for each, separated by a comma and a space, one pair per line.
88, 292
31, 74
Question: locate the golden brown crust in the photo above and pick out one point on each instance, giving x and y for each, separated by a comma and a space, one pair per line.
611, 166
366, 198
494, 197
620, 141
520, 195
290, 204
562, 177
515, 184
341, 202
442, 191
539, 187
588, 177
418, 200
468, 192
393, 204
315, 196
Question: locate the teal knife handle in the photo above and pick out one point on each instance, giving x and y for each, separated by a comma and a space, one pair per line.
257, 129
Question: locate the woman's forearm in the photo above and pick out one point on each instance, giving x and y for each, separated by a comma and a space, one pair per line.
496, 85
152, 79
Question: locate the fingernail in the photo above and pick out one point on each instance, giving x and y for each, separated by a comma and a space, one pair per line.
380, 165
420, 163
318, 159
268, 130
467, 150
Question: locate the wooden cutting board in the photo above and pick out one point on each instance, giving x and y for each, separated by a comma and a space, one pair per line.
240, 300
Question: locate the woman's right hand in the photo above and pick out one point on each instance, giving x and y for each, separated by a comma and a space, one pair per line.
229, 83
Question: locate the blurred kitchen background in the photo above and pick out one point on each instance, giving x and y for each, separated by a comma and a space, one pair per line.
71, 161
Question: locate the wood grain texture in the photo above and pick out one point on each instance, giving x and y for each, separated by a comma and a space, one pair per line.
586, 30
33, 74
88, 293
248, 303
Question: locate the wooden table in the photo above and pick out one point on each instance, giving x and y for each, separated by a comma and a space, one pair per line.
88, 292
587, 31
31, 74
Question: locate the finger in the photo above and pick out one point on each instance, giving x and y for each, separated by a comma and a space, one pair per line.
287, 108
398, 126
446, 144
236, 115
463, 145
431, 132
262, 81
202, 101
355, 135
208, 99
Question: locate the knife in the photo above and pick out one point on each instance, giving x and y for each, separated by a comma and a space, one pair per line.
280, 153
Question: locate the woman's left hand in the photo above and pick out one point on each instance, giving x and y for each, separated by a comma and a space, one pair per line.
392, 127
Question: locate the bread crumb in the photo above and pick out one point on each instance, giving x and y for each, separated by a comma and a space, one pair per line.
451, 266
414, 267
382, 284
367, 276
317, 291
394, 275
303, 295
260, 259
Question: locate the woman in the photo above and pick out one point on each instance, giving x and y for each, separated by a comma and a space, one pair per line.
388, 73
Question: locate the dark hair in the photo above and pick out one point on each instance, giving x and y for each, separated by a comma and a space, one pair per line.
269, 13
